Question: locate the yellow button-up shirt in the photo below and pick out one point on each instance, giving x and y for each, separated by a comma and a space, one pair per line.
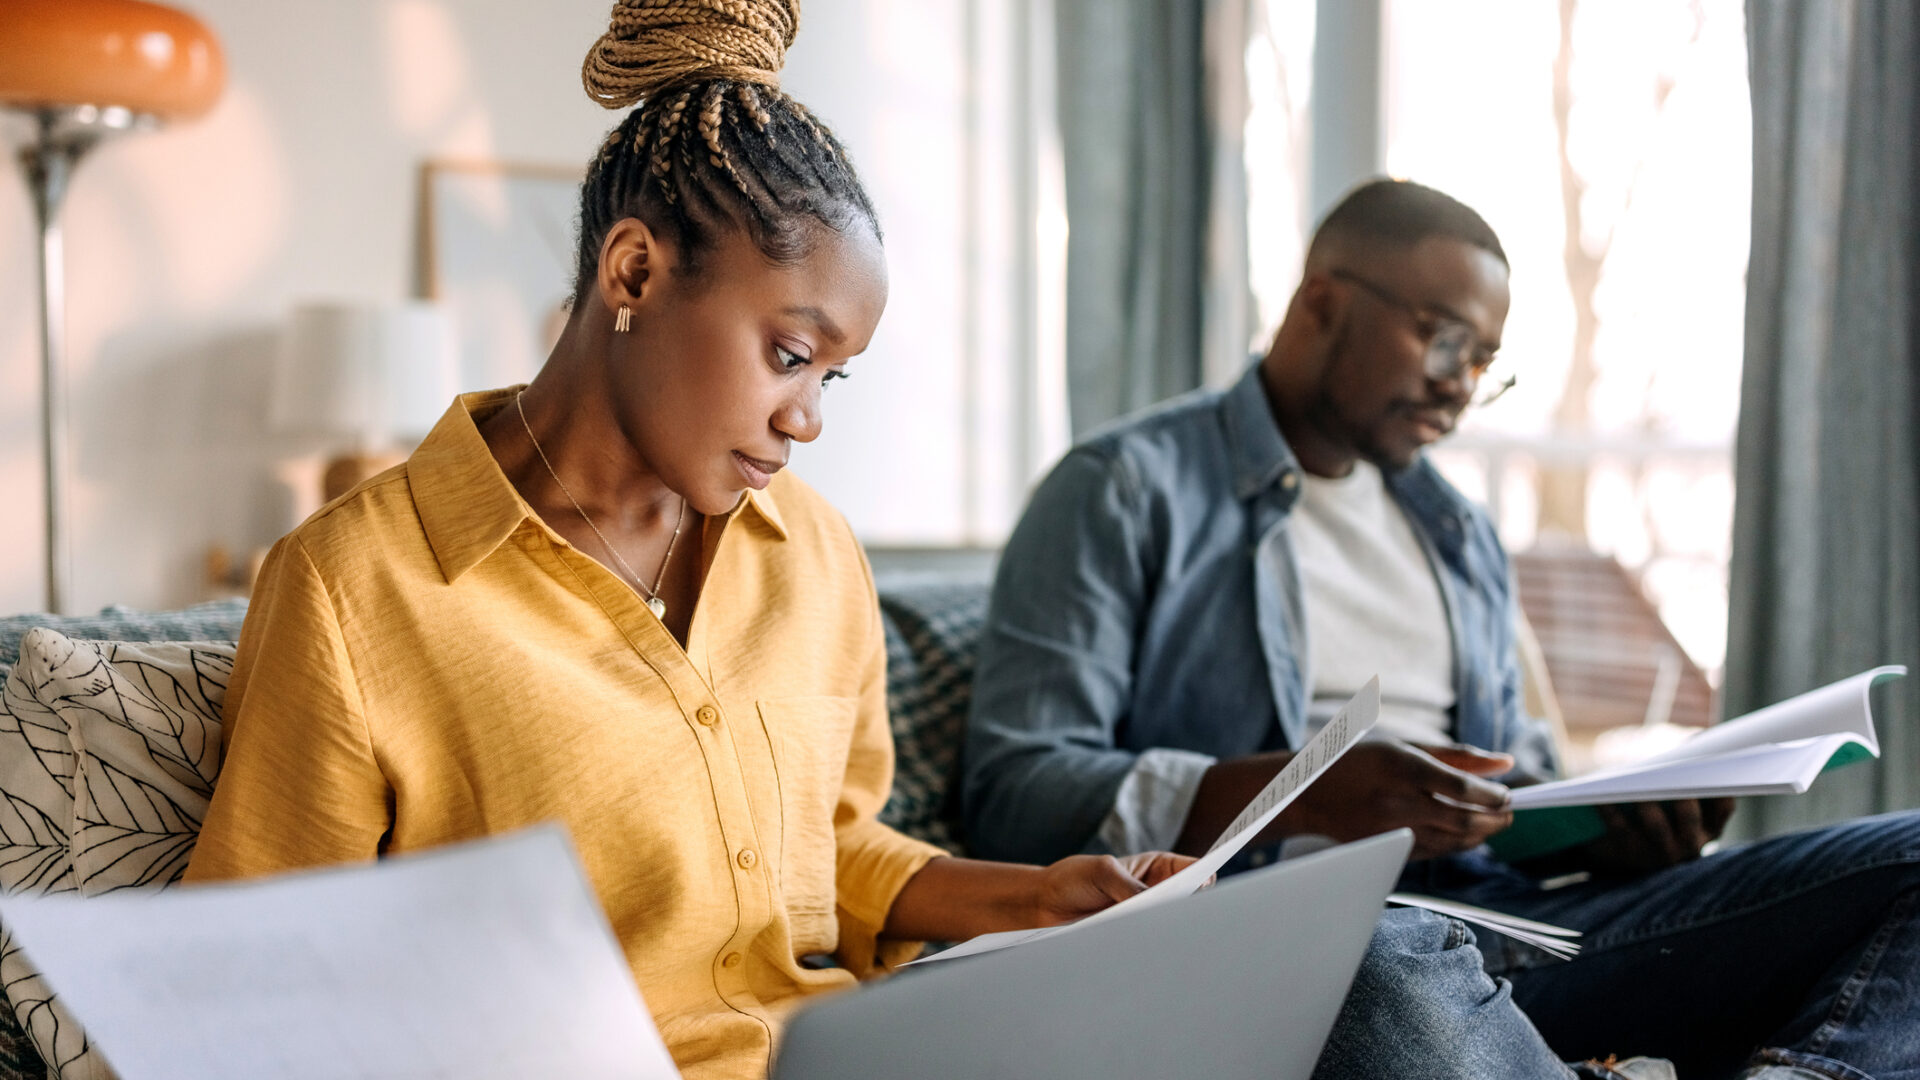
425, 661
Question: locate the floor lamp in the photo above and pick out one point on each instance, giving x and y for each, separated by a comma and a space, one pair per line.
73, 72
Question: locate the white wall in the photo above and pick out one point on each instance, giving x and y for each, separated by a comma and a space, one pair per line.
186, 246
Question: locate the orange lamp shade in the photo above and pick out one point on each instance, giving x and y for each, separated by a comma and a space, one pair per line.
148, 58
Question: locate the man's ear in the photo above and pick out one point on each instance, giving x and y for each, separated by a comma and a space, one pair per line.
633, 265
1318, 300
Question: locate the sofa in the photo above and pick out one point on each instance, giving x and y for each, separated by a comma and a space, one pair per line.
932, 629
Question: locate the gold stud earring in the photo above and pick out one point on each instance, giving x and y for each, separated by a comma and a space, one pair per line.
624, 320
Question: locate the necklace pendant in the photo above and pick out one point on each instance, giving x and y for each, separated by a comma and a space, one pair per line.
658, 607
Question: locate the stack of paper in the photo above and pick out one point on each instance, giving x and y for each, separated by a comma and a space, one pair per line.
1545, 936
1778, 750
486, 961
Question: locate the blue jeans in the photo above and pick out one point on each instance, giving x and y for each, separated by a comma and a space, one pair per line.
1801, 950
1423, 1007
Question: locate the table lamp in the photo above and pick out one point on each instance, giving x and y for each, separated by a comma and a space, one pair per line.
371, 375
73, 72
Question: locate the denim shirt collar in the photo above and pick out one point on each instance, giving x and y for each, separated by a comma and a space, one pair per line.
1262, 461
1439, 511
1261, 456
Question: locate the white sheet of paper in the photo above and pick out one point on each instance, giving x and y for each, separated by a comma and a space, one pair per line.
490, 961
1544, 936
1777, 750
1346, 728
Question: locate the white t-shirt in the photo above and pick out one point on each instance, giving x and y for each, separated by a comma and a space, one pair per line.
1373, 607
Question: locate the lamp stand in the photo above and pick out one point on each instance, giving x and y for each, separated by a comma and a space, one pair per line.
59, 138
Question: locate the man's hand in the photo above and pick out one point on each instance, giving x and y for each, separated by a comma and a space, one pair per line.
1437, 791
1080, 885
1649, 836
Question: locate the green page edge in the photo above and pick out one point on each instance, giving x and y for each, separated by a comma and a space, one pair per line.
1540, 832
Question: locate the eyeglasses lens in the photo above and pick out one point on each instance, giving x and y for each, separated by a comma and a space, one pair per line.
1450, 354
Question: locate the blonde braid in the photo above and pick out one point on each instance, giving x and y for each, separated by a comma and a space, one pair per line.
653, 44
710, 120
664, 134
750, 100
687, 161
819, 131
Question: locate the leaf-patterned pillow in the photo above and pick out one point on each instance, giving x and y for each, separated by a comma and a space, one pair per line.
129, 734
145, 723
36, 790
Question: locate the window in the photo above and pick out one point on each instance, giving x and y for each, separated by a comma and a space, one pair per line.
1608, 142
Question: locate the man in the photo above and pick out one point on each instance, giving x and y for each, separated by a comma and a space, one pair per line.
1192, 590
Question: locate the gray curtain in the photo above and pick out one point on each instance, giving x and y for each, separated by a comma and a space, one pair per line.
1134, 148
1826, 554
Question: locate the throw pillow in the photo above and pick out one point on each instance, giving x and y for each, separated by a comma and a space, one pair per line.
130, 734
933, 632
145, 724
36, 789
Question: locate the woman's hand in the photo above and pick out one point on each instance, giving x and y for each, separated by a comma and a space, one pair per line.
1080, 885
956, 899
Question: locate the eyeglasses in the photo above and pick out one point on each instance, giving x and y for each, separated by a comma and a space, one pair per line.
1454, 349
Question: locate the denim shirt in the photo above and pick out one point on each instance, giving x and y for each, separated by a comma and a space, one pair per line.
1149, 599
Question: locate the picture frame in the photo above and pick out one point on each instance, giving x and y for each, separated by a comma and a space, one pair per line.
496, 250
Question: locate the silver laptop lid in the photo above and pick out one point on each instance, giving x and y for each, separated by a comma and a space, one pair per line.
1241, 980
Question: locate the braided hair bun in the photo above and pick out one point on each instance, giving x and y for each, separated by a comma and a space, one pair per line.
653, 45
715, 145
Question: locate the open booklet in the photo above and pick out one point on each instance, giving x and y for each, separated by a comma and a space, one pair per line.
1346, 728
1778, 750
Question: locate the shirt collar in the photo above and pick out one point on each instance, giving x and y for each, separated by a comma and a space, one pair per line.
763, 504
469, 508
1435, 506
1261, 456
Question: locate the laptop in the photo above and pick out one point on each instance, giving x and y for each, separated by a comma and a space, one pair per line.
1240, 980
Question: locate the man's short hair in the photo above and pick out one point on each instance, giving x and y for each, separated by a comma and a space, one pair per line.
1398, 214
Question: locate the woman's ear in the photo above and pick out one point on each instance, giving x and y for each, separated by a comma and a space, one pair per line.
633, 265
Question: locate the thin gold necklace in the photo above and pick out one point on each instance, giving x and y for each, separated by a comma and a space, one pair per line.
654, 603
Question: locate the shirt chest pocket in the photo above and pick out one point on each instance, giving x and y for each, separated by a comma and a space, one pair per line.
810, 737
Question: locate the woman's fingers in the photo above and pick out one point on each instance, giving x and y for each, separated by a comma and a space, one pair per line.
1114, 880
1154, 867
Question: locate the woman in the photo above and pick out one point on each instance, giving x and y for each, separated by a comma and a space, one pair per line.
600, 600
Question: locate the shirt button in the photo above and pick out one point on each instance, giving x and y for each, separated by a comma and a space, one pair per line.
732, 960
708, 715
747, 859
1290, 480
